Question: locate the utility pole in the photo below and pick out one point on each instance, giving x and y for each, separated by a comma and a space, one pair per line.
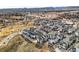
25, 17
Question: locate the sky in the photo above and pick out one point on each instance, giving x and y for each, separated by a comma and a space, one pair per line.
37, 3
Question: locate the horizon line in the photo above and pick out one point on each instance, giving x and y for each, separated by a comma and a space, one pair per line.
36, 7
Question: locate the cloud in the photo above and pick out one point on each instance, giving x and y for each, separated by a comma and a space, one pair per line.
37, 3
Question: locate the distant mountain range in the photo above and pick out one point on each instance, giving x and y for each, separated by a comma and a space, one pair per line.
45, 9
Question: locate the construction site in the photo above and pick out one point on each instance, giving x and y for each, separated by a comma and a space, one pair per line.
48, 31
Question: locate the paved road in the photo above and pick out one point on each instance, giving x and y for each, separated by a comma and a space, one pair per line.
8, 38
